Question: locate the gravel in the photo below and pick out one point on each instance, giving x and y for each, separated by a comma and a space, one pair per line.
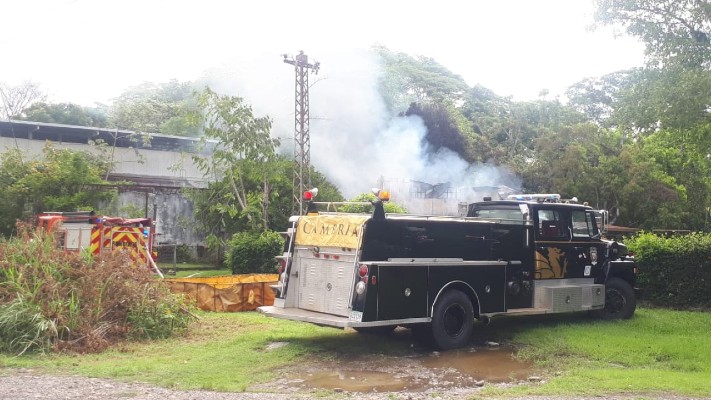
20, 384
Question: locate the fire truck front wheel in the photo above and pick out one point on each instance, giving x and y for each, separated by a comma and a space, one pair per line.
452, 320
620, 301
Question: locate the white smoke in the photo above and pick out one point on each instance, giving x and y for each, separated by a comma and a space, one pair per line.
354, 139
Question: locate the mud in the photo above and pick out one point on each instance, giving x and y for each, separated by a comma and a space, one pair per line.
419, 372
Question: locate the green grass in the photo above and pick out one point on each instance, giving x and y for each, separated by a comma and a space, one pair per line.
226, 353
656, 352
193, 270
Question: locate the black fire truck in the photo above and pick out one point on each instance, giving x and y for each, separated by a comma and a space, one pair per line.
437, 274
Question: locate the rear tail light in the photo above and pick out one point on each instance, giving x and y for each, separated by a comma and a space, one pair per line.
363, 270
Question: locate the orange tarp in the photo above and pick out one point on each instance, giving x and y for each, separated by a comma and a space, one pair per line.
227, 293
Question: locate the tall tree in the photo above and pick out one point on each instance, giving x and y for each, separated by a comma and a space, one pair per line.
16, 98
156, 108
674, 31
407, 79
242, 150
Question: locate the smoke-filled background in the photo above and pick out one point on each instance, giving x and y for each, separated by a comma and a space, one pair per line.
355, 141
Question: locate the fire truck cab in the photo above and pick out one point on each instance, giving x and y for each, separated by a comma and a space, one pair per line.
437, 275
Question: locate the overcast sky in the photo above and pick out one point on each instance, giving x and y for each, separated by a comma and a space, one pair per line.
87, 51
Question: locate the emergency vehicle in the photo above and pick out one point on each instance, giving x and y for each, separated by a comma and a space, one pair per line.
77, 231
437, 274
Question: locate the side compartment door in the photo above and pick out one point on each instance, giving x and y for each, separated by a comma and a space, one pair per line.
402, 291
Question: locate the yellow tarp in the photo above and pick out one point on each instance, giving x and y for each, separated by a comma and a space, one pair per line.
227, 293
330, 230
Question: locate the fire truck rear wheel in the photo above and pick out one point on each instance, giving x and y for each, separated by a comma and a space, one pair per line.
452, 320
620, 301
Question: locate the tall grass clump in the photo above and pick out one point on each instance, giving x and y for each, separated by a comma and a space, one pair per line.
55, 300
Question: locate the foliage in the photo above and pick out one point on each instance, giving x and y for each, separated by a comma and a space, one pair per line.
670, 98
674, 31
408, 79
214, 220
54, 300
14, 99
674, 271
65, 113
249, 252
60, 181
156, 108
23, 327
446, 127
242, 152
389, 207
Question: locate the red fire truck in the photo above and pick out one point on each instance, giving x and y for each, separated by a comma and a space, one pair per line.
76, 231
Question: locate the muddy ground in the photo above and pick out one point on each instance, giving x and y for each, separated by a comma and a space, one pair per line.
426, 375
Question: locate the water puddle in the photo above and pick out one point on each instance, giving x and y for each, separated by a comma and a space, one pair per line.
436, 370
494, 365
356, 381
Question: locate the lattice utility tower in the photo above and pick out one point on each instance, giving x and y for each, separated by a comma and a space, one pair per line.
302, 141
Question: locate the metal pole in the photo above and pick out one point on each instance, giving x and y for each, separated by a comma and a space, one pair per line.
302, 141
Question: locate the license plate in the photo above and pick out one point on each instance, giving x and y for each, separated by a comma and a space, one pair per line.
356, 316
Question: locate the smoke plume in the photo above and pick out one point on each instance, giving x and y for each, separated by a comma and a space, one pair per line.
355, 141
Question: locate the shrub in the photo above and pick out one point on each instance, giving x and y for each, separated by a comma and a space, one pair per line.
674, 271
54, 300
389, 207
254, 252
183, 253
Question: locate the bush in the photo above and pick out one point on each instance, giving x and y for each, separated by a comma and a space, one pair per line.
389, 207
674, 271
254, 252
54, 300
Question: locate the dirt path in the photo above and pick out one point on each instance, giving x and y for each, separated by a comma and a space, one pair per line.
22, 384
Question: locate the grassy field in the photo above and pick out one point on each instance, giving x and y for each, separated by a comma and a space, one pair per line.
658, 351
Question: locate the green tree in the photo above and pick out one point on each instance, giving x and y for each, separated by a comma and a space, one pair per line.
407, 79
241, 152
673, 31
597, 97
216, 218
446, 127
62, 180
65, 113
156, 108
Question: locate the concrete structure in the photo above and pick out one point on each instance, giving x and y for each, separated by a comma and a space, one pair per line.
155, 169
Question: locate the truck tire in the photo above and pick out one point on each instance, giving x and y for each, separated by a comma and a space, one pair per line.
620, 301
452, 320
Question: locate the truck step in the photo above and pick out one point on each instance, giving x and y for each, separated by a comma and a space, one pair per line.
527, 311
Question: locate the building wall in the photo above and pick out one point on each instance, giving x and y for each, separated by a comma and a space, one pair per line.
172, 210
142, 162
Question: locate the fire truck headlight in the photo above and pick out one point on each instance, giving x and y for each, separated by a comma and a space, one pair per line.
360, 287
